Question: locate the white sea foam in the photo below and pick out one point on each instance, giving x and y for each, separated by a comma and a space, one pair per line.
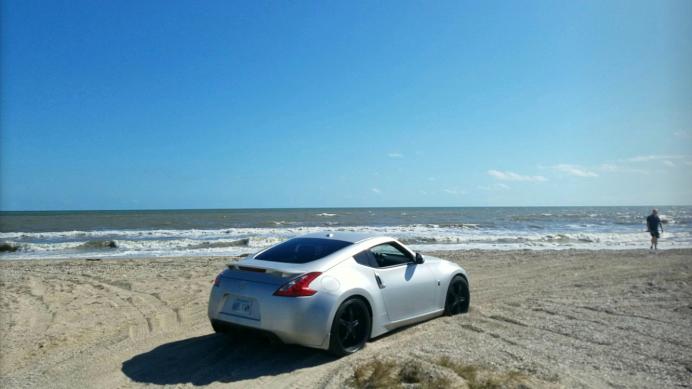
235, 241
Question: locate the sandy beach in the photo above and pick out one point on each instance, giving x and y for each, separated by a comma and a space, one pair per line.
538, 318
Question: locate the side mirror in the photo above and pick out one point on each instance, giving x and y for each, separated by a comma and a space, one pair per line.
419, 258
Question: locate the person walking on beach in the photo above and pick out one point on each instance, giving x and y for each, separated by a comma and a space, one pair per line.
653, 223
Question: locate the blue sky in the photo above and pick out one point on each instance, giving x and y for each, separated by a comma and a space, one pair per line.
185, 104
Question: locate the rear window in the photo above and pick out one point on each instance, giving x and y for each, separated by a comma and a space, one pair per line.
302, 250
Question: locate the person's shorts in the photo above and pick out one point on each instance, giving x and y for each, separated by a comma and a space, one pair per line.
655, 234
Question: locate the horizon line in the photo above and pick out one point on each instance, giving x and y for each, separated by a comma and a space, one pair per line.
375, 207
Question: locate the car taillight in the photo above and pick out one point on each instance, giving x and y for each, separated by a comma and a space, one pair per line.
217, 280
299, 286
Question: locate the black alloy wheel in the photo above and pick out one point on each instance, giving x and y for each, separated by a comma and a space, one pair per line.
350, 328
458, 297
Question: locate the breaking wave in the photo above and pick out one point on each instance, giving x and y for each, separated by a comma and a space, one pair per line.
97, 244
241, 241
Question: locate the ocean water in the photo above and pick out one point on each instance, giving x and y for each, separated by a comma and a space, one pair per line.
129, 234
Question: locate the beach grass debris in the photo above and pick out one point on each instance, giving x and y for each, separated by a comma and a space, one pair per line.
443, 372
412, 372
375, 374
389, 374
478, 377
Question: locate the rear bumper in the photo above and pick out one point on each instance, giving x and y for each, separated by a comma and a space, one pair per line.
298, 320
231, 328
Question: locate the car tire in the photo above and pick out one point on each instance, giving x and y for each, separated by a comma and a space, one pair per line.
218, 328
458, 296
350, 327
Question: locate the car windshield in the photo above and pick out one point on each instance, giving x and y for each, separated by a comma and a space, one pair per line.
302, 250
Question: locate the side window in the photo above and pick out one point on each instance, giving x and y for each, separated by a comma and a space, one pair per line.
365, 258
389, 255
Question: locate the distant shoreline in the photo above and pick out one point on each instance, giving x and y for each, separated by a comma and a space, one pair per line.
234, 232
438, 253
129, 210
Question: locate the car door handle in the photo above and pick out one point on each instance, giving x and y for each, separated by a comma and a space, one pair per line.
379, 281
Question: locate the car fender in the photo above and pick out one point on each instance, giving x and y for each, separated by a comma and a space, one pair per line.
358, 281
445, 271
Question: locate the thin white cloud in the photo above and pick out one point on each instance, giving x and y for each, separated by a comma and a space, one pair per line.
669, 161
642, 158
574, 170
395, 155
457, 192
648, 158
511, 176
633, 165
498, 186
376, 190
609, 167
615, 168
683, 134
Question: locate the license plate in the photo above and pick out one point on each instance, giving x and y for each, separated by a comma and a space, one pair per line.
241, 307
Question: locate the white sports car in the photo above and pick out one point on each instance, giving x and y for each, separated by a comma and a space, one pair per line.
334, 291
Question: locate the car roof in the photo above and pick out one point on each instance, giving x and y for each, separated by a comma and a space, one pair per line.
346, 236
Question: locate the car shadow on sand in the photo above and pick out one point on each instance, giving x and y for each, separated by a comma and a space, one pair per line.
219, 358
